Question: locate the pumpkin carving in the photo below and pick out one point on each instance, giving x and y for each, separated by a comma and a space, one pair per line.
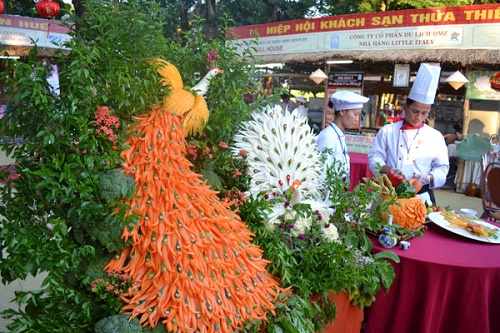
408, 213
408, 210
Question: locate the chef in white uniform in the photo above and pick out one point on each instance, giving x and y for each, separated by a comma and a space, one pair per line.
331, 140
416, 149
301, 106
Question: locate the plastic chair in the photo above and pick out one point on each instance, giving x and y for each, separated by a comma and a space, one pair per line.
490, 189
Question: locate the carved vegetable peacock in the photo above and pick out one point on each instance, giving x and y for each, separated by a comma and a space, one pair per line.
192, 260
188, 103
283, 155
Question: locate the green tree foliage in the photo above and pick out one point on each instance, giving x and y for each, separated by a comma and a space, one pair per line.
57, 217
178, 13
255, 11
410, 4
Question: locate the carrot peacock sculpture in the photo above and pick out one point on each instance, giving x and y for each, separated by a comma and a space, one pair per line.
192, 260
188, 103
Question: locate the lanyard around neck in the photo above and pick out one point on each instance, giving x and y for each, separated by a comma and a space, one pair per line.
408, 147
342, 144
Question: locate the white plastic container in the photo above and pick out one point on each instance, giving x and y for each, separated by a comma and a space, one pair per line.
468, 212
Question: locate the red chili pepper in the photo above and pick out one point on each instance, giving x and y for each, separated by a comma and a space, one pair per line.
395, 178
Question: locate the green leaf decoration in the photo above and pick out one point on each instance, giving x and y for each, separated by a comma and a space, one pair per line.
473, 147
387, 255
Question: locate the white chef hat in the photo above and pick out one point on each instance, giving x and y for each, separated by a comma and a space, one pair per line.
425, 86
347, 100
300, 99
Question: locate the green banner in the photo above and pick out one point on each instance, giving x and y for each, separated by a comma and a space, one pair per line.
483, 85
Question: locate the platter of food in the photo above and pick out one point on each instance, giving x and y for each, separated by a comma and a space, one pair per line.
466, 226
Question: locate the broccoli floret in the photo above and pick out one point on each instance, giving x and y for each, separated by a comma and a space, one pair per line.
119, 323
108, 232
115, 185
159, 328
95, 269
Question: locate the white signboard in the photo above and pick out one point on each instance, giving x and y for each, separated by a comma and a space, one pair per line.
22, 31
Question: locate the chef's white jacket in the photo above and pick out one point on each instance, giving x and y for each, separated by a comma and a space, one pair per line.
419, 151
302, 110
333, 138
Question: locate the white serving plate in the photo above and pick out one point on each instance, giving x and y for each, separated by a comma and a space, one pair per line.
438, 219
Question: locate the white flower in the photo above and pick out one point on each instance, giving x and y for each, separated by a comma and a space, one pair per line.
300, 226
289, 215
325, 217
330, 233
274, 224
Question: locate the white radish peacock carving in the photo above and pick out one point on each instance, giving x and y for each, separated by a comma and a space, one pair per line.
282, 154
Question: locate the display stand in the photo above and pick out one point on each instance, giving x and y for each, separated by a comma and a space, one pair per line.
349, 317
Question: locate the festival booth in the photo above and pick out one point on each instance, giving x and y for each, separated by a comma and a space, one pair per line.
378, 54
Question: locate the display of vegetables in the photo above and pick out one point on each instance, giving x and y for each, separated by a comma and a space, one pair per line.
119, 323
361, 299
409, 210
417, 185
469, 224
395, 178
409, 213
191, 258
405, 190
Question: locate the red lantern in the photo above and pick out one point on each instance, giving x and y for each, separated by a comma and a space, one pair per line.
1, 6
47, 8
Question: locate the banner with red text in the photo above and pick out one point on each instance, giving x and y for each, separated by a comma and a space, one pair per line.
460, 27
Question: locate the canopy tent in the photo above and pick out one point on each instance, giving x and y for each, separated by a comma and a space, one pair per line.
464, 58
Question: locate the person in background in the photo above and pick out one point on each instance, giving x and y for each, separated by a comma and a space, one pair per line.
330, 113
331, 140
452, 137
286, 104
494, 139
329, 117
410, 146
300, 102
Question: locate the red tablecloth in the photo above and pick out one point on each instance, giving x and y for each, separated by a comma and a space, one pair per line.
445, 283
359, 168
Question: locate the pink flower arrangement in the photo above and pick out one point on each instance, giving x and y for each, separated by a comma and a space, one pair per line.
192, 152
106, 123
116, 284
212, 57
236, 197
